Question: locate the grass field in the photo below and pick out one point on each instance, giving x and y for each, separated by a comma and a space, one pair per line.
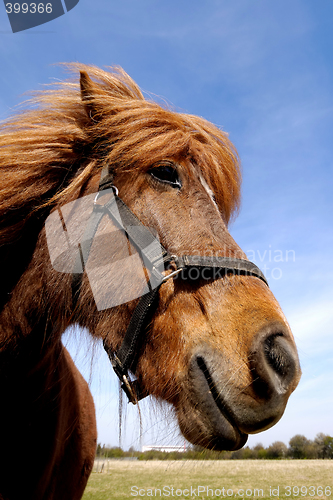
240, 479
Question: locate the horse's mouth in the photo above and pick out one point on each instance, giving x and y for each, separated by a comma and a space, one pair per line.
217, 397
205, 419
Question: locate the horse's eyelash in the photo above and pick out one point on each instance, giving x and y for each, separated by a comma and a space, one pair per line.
174, 179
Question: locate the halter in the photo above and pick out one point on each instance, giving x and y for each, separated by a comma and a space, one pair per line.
156, 259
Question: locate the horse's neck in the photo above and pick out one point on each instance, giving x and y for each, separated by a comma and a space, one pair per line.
27, 334
44, 404
27, 338
27, 353
15, 258
47, 409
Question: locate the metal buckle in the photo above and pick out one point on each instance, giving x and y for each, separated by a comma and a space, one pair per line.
174, 273
127, 385
128, 388
100, 193
171, 275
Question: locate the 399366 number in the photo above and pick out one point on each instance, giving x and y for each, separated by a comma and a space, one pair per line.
31, 8
307, 491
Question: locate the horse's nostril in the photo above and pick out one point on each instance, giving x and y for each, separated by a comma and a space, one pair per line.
276, 356
274, 365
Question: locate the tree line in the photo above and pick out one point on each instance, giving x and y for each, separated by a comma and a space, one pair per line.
299, 448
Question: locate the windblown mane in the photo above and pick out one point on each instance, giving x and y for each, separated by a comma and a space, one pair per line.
49, 151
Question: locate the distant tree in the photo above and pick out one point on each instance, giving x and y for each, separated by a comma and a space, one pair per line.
241, 454
328, 447
277, 450
115, 452
259, 451
262, 454
324, 443
248, 453
297, 446
257, 447
311, 450
236, 455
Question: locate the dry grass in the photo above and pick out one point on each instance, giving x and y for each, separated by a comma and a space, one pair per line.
239, 478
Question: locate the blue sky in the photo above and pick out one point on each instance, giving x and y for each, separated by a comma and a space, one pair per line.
263, 71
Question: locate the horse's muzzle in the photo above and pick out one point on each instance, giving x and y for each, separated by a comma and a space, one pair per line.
227, 406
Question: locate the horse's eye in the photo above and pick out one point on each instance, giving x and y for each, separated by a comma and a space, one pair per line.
167, 174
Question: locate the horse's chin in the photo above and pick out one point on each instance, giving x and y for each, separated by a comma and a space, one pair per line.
209, 428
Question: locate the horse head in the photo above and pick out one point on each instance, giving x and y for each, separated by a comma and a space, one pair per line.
218, 349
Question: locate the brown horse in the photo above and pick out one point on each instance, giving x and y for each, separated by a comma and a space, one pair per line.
220, 351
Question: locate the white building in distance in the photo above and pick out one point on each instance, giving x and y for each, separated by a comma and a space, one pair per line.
167, 449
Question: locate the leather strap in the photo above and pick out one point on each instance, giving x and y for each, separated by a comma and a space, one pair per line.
217, 267
125, 358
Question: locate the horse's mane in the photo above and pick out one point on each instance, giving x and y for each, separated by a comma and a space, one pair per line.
49, 150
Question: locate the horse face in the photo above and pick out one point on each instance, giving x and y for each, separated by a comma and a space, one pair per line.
220, 351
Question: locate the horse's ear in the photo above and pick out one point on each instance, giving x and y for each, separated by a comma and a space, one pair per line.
89, 92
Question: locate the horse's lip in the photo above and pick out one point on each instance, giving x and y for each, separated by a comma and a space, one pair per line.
216, 395
209, 412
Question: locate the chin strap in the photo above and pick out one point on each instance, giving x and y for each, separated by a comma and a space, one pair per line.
156, 259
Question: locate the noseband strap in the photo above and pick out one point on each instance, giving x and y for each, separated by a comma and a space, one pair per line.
155, 258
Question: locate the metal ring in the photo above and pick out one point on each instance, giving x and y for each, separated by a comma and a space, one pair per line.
115, 189
96, 197
100, 193
171, 275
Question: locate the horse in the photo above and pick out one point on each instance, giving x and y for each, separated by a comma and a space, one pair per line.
214, 345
